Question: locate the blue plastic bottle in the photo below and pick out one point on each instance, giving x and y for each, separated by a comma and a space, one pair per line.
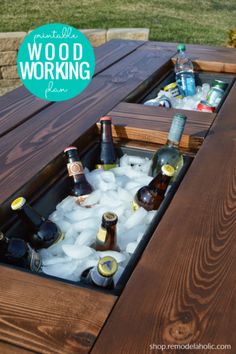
184, 73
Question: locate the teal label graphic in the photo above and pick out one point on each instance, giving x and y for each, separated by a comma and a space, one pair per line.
55, 62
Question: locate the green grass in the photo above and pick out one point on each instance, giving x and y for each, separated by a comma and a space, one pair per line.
193, 21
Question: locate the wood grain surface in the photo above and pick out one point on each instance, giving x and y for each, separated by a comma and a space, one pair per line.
39, 140
184, 288
48, 316
20, 105
136, 121
12, 349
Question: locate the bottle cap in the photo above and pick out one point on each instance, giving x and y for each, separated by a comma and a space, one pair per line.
181, 47
110, 218
168, 170
70, 148
107, 266
18, 203
105, 118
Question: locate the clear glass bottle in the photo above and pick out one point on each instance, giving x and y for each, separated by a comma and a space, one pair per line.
106, 237
170, 153
43, 233
150, 197
17, 252
184, 72
107, 154
81, 187
102, 274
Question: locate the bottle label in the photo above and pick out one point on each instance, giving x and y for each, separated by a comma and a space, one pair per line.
98, 279
135, 206
35, 262
79, 200
177, 128
102, 235
75, 168
106, 167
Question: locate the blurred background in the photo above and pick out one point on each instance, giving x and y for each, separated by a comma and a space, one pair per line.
201, 22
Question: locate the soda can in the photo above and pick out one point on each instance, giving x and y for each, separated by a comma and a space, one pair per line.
164, 101
214, 96
204, 106
173, 90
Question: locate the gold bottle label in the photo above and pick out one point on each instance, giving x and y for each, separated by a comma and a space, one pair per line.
74, 168
102, 235
135, 206
35, 262
106, 167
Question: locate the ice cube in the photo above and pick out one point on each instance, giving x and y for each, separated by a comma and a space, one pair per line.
63, 225
86, 237
124, 160
137, 218
131, 247
77, 252
56, 249
205, 89
121, 181
56, 260
120, 171
108, 176
66, 204
94, 177
130, 235
119, 257
84, 224
61, 270
92, 199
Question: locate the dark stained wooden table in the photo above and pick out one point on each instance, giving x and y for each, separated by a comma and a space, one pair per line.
183, 289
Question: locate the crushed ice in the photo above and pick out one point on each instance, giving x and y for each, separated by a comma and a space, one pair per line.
114, 191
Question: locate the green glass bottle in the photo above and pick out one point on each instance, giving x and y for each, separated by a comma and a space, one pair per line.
170, 153
43, 233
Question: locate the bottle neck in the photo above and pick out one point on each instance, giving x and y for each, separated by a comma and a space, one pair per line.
172, 143
75, 167
106, 133
159, 183
29, 215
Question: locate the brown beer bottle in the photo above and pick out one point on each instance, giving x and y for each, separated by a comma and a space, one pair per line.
81, 187
107, 154
150, 197
106, 236
43, 233
102, 274
17, 252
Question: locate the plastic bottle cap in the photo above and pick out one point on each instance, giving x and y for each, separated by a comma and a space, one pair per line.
70, 148
168, 170
105, 118
181, 47
18, 203
107, 266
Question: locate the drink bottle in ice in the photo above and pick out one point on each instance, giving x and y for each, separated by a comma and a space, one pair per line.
184, 72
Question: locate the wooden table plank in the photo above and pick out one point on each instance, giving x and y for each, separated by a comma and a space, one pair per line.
184, 287
12, 349
48, 316
158, 119
20, 105
38, 141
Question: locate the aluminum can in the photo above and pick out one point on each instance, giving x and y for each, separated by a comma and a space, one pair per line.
204, 106
173, 89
